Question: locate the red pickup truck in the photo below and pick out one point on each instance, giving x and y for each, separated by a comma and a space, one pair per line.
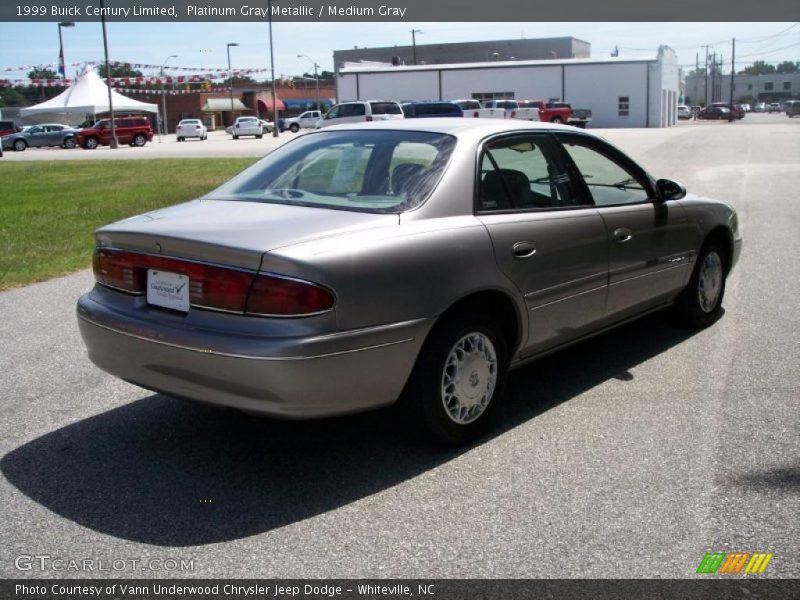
559, 112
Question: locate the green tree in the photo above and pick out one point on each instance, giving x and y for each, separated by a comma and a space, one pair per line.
760, 67
788, 66
13, 96
119, 70
42, 73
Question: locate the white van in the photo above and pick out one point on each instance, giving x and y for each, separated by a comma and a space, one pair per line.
360, 111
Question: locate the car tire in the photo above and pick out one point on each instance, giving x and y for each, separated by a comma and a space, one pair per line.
449, 410
556, 120
259, 136
19, 145
236, 137
700, 303
90, 143
294, 127
180, 139
139, 140
69, 143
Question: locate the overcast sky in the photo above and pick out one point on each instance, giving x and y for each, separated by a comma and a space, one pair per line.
203, 44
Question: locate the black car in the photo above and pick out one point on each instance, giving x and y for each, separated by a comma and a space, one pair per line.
715, 113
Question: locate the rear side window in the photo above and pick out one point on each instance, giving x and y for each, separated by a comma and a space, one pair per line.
386, 108
352, 110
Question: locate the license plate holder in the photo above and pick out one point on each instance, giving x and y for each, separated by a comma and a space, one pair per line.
168, 290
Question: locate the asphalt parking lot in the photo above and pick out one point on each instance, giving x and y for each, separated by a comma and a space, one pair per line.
627, 456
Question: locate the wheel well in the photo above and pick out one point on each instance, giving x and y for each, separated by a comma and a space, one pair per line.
494, 303
723, 236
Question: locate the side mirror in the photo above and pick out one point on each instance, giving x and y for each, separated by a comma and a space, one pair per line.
670, 190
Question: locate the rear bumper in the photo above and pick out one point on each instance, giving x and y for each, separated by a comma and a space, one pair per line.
302, 377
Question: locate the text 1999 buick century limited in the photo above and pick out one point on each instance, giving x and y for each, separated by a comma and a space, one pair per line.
359, 265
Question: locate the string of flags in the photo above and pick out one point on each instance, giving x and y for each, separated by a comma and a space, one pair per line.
136, 66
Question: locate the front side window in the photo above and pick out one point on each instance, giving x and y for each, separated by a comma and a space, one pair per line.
367, 171
521, 173
608, 181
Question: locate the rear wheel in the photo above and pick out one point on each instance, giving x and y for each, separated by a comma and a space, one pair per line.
700, 304
69, 143
20, 145
236, 137
458, 381
260, 136
139, 140
556, 120
90, 143
294, 127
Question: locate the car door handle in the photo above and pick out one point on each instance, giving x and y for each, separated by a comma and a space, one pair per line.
622, 235
524, 249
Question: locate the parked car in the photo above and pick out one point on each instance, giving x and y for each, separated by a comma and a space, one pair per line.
736, 110
715, 113
774, 107
41, 136
135, 131
760, 107
266, 126
792, 108
408, 259
684, 112
191, 128
8, 127
247, 126
306, 120
361, 111
428, 109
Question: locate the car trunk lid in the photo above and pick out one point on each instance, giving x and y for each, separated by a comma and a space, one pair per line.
233, 233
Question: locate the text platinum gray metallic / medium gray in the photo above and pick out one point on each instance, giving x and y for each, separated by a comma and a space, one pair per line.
409, 260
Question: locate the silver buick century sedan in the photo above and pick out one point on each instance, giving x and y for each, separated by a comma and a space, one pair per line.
362, 265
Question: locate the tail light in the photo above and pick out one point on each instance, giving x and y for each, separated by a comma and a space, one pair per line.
279, 296
475, 114
197, 127
369, 118
513, 114
214, 287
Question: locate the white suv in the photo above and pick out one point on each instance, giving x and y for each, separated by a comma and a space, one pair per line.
247, 126
360, 111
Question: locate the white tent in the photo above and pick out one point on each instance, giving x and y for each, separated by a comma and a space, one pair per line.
88, 95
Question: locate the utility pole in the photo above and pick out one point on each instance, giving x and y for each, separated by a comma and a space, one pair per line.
733, 67
706, 73
414, 33
696, 73
113, 143
275, 127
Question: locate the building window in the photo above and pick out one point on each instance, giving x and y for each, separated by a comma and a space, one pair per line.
768, 86
787, 85
624, 106
749, 87
484, 96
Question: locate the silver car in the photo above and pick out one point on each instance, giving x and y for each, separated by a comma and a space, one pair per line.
416, 261
41, 136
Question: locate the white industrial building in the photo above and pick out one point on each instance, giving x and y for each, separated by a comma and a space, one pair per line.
620, 92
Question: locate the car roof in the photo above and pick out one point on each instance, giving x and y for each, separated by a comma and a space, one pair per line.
464, 127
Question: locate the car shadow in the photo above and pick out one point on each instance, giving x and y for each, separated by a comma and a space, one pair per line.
172, 473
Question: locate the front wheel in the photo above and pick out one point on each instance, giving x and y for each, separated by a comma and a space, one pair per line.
294, 127
90, 143
139, 140
458, 381
700, 304
20, 145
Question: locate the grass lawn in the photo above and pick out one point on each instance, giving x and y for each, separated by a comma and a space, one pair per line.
49, 210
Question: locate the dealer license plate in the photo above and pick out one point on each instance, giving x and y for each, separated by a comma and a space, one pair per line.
170, 290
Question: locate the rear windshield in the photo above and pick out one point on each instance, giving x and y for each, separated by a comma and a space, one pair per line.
247, 120
385, 108
366, 171
190, 122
